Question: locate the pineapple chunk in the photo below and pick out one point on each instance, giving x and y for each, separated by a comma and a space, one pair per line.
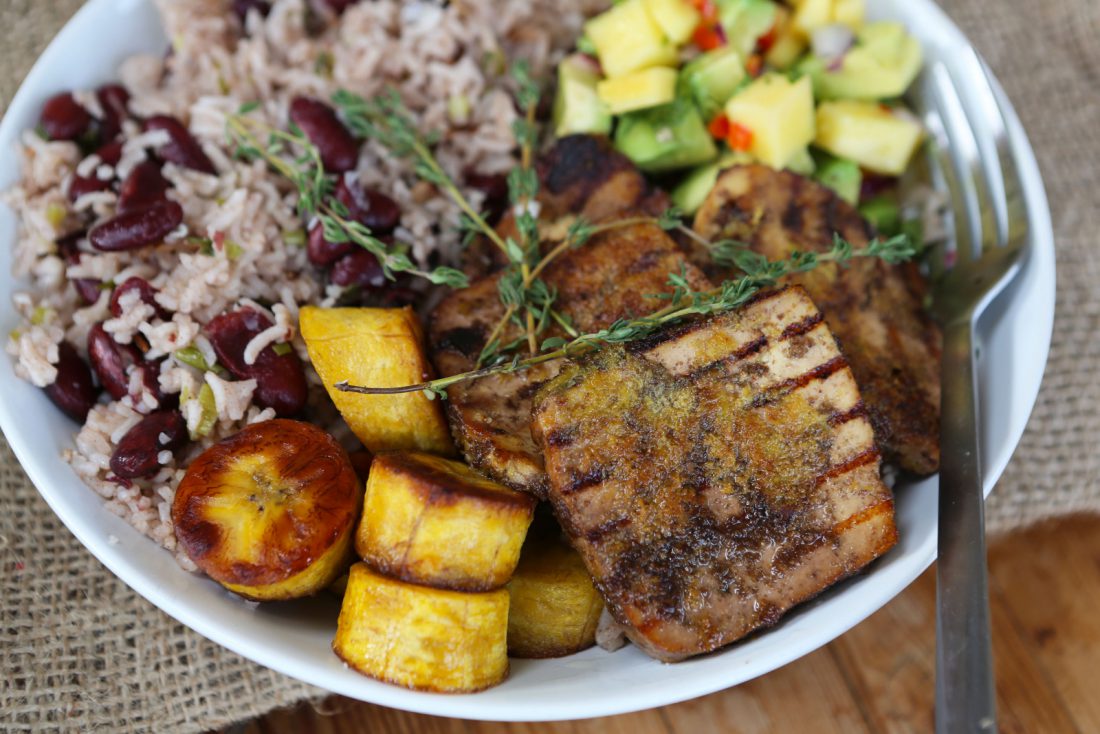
868, 133
780, 115
850, 12
676, 18
577, 107
380, 347
554, 605
627, 39
427, 639
436, 522
811, 14
638, 90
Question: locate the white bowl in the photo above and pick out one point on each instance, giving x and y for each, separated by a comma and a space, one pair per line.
295, 638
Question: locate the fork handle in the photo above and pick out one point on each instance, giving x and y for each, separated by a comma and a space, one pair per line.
965, 700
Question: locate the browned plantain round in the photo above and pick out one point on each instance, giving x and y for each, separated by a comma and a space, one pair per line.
269, 512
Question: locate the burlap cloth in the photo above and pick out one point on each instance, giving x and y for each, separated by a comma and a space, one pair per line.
79, 651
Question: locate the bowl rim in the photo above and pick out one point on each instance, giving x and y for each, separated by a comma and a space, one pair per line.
668, 690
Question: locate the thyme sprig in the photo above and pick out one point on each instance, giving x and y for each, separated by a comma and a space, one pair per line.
684, 302
528, 300
293, 156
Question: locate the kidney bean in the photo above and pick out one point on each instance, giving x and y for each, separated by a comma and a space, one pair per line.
147, 294
82, 185
64, 119
87, 288
111, 361
74, 390
109, 154
360, 269
377, 211
241, 8
137, 454
145, 186
115, 101
181, 148
280, 378
494, 188
338, 147
135, 229
321, 252
338, 6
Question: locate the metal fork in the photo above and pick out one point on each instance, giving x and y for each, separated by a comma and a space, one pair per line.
991, 239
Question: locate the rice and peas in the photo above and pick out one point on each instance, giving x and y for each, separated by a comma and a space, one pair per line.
241, 242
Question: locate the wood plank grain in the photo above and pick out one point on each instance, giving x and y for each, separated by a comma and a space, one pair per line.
810, 694
891, 661
1050, 579
878, 677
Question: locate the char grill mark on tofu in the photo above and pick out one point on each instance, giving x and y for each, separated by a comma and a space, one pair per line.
710, 486
875, 310
597, 284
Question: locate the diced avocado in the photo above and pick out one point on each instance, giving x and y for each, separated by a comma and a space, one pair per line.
883, 213
745, 21
876, 137
690, 193
638, 90
802, 163
694, 188
665, 138
713, 78
780, 115
627, 39
788, 44
842, 176
678, 19
577, 107
882, 65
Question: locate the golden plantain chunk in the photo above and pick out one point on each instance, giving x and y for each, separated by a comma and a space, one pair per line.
269, 513
377, 347
421, 638
432, 521
554, 605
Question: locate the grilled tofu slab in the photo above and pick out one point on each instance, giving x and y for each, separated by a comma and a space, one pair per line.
614, 275
580, 176
716, 475
875, 310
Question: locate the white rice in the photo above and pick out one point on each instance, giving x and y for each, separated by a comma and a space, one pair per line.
429, 53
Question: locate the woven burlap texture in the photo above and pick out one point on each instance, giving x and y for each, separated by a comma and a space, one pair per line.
79, 651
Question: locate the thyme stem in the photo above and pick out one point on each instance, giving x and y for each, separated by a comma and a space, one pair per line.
760, 273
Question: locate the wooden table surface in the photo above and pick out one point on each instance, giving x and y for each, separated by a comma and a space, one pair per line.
1045, 597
